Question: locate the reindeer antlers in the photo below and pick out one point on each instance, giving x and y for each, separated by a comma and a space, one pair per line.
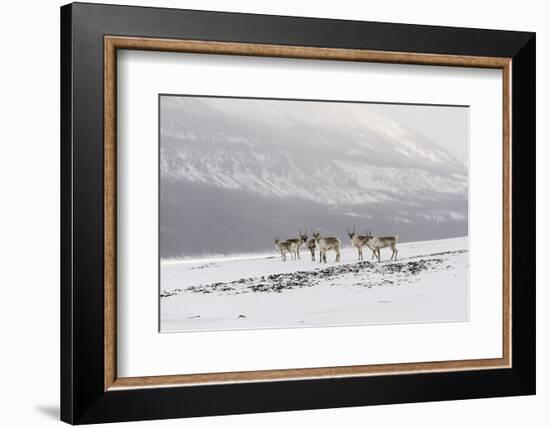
352, 232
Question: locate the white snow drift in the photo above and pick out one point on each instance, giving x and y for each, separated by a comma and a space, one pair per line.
428, 283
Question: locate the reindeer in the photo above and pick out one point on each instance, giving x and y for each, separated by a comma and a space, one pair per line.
311, 244
358, 241
369, 234
375, 243
326, 244
298, 242
285, 247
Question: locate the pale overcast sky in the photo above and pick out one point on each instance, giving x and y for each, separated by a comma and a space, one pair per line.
447, 126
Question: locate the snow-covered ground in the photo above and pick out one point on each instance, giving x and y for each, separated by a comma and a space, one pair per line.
428, 283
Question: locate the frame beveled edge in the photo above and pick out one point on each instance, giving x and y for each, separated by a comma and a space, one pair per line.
112, 43
66, 396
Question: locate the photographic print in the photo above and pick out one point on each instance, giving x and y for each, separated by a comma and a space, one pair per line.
284, 213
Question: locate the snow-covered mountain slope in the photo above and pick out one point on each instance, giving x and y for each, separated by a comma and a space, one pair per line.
236, 172
325, 153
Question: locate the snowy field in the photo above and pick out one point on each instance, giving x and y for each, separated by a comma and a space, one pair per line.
428, 283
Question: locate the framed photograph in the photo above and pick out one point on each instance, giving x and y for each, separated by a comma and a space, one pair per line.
266, 213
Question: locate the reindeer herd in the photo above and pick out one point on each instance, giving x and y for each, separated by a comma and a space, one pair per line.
327, 243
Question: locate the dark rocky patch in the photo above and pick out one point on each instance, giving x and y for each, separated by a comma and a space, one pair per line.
366, 273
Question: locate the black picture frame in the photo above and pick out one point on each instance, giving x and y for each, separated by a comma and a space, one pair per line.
83, 396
